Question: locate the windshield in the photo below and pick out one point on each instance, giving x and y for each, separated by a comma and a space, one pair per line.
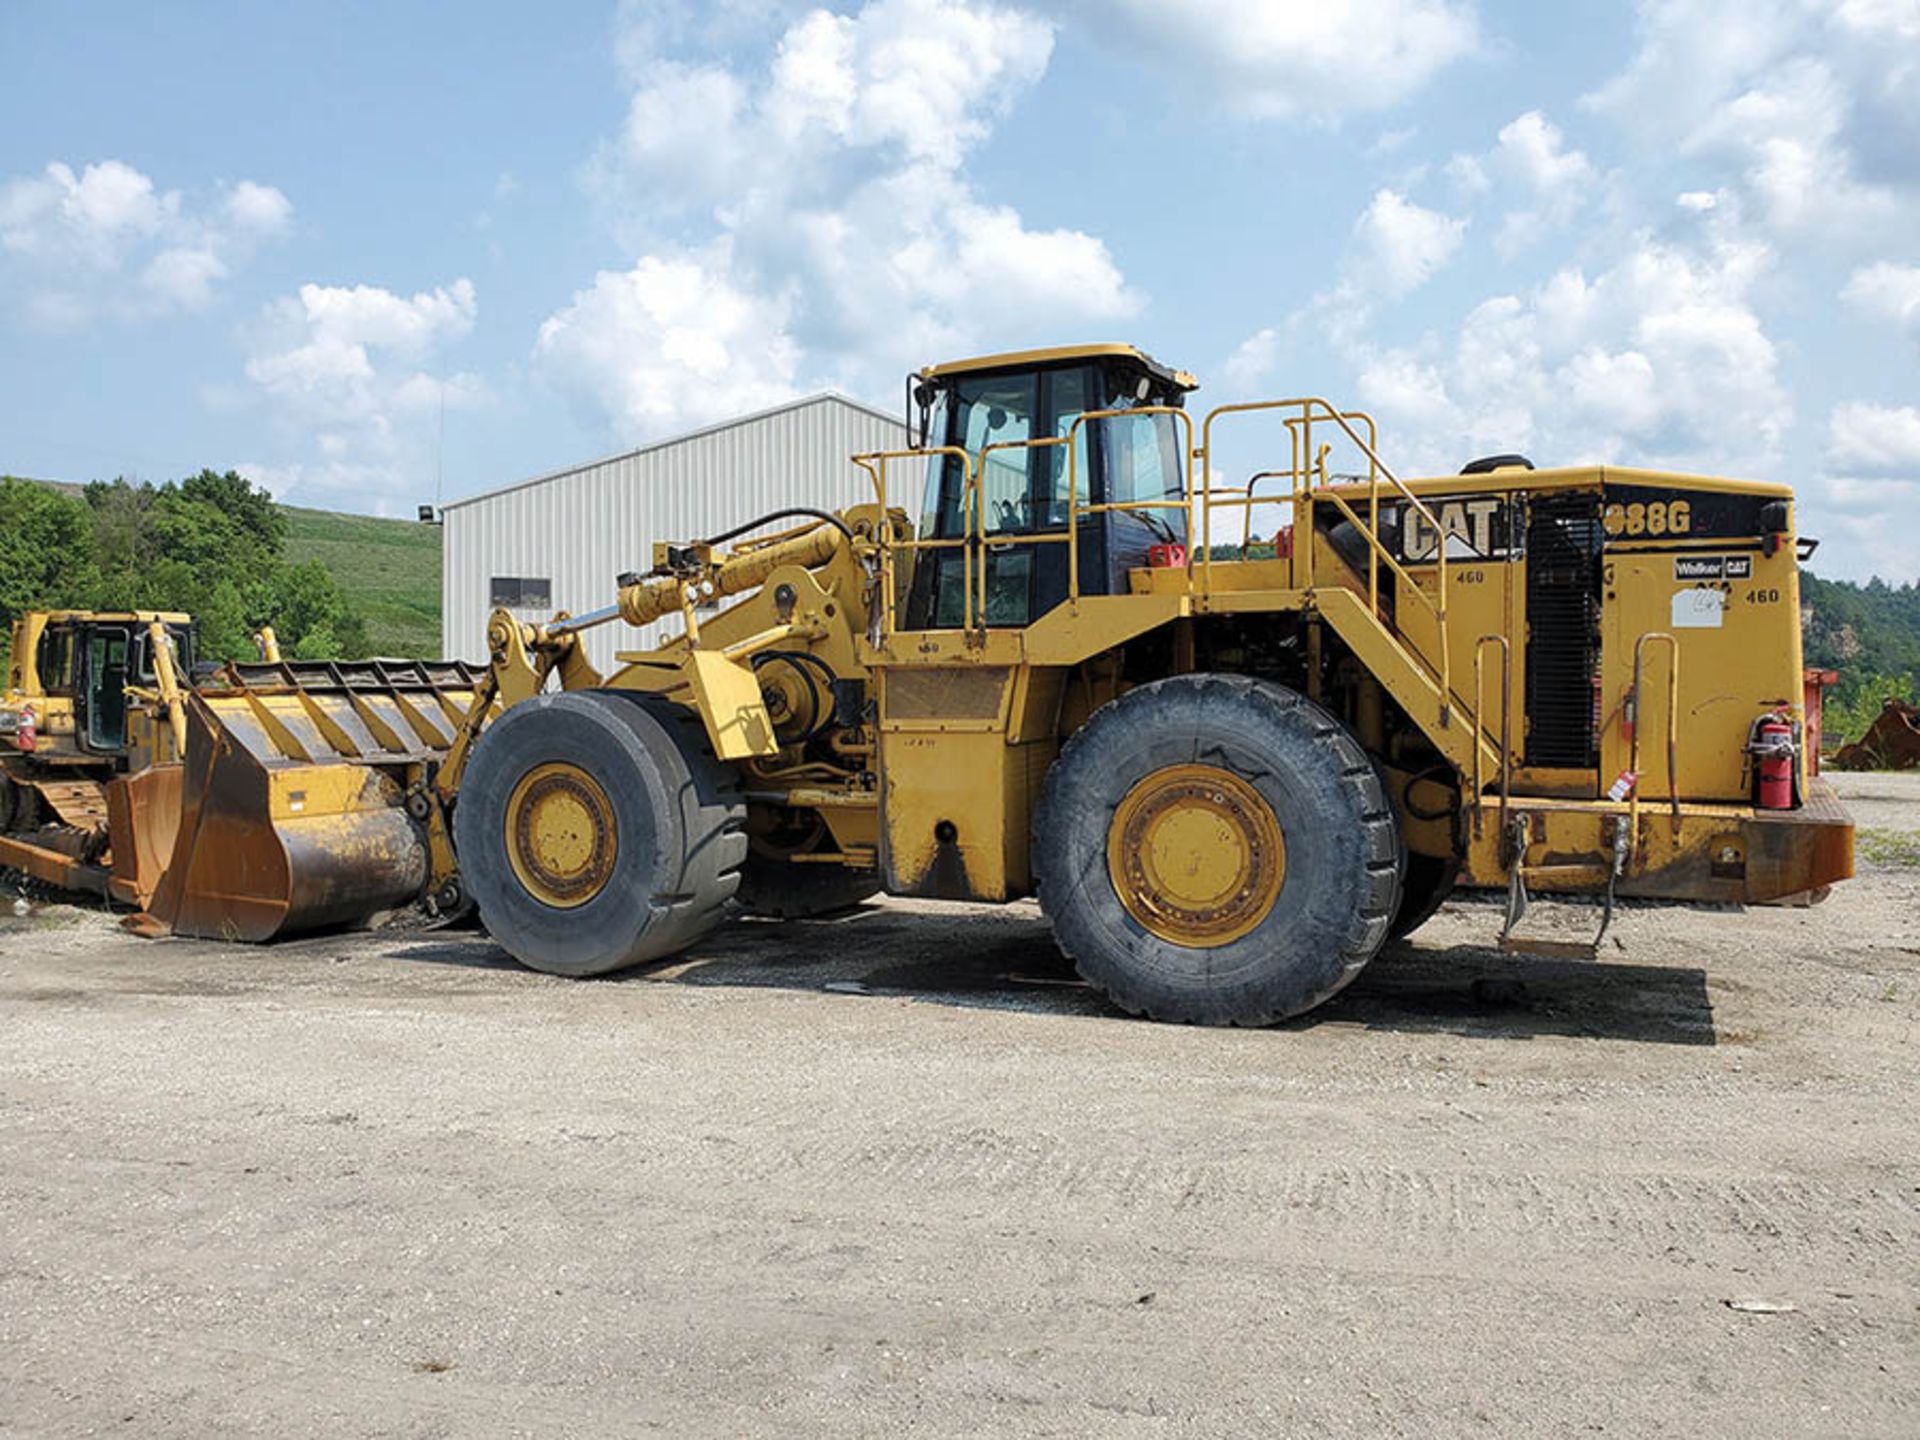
1023, 489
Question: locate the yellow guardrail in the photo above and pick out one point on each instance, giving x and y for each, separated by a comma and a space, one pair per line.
888, 542
1506, 725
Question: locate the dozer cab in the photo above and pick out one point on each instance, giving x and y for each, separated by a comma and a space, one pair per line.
1235, 701
82, 707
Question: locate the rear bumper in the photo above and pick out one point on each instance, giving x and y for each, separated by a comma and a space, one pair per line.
1724, 853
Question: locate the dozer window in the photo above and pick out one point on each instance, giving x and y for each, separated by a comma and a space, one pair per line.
142, 664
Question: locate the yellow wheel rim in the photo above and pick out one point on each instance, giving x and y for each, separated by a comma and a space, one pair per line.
1196, 855
561, 836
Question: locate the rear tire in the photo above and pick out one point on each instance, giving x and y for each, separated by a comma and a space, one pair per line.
639, 847
1206, 751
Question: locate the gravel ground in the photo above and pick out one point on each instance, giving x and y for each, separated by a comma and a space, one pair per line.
899, 1172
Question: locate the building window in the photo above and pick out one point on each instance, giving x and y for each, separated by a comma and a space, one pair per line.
521, 593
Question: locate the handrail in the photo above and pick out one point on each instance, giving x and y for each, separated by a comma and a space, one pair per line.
1632, 725
1311, 406
1308, 473
1378, 552
1506, 726
1038, 537
969, 498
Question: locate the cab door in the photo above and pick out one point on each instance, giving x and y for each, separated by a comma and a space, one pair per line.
1024, 494
100, 699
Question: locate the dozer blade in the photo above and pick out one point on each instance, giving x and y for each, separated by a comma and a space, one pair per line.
290, 813
143, 820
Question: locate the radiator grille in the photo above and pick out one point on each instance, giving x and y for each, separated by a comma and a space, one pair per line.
1563, 629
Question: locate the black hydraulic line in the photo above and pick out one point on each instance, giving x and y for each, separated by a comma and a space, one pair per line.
821, 515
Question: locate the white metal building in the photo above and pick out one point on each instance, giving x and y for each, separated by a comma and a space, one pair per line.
557, 541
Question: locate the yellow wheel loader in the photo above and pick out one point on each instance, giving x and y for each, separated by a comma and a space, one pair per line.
1235, 701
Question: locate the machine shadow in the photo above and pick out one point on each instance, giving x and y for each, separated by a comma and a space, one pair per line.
1009, 962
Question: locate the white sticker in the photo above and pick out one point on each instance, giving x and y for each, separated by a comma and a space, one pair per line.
1698, 608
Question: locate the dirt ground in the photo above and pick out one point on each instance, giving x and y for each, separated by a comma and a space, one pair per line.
897, 1172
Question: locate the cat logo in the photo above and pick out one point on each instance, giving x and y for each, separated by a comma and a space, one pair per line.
1477, 524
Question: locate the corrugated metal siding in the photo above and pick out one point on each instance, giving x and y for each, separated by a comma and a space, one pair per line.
583, 528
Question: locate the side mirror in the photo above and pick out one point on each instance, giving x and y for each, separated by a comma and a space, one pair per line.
919, 411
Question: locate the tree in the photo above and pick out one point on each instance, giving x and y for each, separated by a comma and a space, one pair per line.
46, 549
311, 617
214, 546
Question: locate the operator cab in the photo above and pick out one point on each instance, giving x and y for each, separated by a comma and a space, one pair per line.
93, 661
1000, 401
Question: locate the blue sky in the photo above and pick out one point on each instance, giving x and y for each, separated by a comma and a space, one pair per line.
349, 247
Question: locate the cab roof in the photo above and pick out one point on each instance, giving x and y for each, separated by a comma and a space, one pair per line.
1031, 359
110, 617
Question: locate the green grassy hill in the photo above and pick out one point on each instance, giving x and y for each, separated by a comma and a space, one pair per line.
389, 569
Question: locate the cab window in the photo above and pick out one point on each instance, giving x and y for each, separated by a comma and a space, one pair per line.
54, 660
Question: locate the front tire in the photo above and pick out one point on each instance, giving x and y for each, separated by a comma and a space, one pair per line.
595, 830
1216, 850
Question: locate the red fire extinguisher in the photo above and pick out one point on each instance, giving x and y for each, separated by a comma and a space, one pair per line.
1773, 753
25, 737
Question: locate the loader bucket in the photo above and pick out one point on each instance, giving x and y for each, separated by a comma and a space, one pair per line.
291, 810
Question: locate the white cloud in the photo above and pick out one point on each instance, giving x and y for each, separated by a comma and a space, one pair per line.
1865, 439
1401, 245
183, 276
1787, 130
1531, 151
1543, 182
345, 361
1659, 359
1401, 385
824, 200
1791, 93
1887, 291
1534, 149
1251, 363
671, 342
259, 208
1320, 61
106, 241
97, 213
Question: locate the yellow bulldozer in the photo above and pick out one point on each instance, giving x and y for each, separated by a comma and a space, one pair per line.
1234, 725
90, 696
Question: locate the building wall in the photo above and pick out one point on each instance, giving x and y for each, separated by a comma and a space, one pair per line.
579, 529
